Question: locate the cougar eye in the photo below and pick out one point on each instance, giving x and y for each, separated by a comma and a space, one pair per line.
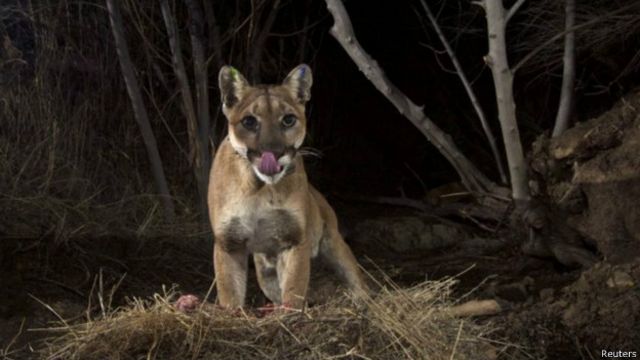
289, 120
250, 123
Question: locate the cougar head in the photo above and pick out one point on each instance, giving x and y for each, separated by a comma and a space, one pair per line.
267, 123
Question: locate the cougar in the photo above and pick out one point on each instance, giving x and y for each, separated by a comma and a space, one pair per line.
260, 201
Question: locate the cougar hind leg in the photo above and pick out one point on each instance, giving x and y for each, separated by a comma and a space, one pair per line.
267, 274
337, 254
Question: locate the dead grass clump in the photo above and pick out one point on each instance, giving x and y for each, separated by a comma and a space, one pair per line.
71, 161
409, 323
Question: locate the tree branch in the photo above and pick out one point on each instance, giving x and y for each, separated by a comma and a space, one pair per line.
568, 72
472, 96
342, 31
514, 9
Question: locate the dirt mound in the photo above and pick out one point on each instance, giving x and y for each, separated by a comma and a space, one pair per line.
600, 311
590, 175
603, 307
592, 172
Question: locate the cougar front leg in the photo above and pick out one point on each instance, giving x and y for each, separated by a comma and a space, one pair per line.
294, 266
231, 276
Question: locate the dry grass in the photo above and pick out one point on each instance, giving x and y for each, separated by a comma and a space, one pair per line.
408, 323
72, 164
58, 177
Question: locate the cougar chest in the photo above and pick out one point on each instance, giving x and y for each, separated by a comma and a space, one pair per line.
260, 226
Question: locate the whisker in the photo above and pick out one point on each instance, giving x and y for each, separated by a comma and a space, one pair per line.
309, 151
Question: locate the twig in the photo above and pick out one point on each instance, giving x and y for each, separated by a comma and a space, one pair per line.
455, 344
48, 307
560, 35
342, 31
478, 223
472, 96
61, 285
568, 71
388, 200
7, 349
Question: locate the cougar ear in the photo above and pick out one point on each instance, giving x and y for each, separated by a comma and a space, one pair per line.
232, 86
299, 83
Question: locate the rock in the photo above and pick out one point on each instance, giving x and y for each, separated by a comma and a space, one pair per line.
620, 280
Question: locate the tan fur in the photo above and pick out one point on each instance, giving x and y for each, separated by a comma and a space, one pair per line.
281, 220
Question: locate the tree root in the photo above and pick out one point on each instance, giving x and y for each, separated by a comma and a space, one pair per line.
476, 308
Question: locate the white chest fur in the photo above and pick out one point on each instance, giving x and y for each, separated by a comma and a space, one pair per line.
259, 225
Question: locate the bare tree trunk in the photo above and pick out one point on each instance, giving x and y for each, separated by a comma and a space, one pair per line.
200, 74
133, 88
568, 71
342, 30
497, 17
472, 96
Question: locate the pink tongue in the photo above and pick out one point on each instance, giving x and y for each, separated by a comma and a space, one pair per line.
268, 164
